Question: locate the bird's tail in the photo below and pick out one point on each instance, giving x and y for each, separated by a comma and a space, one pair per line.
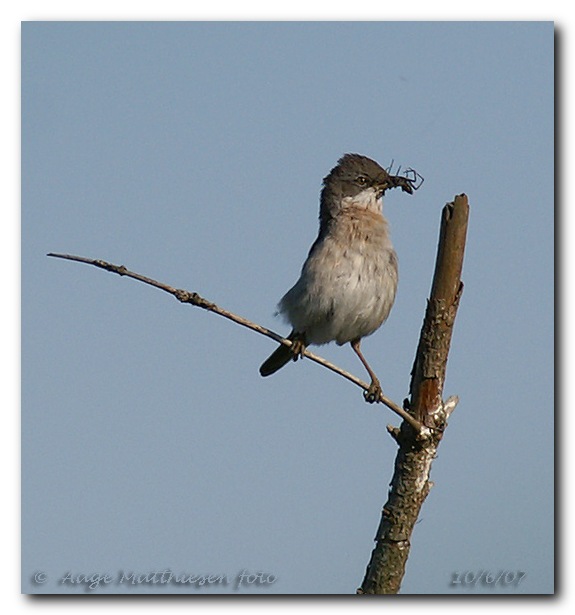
278, 358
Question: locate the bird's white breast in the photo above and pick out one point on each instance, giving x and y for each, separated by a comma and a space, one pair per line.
348, 283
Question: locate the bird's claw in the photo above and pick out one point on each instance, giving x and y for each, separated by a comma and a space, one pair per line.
297, 348
373, 393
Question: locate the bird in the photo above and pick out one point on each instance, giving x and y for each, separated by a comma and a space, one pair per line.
348, 281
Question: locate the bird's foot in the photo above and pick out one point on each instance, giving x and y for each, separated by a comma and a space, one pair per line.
297, 348
374, 392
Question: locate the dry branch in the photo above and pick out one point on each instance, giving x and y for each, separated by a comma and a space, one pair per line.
424, 414
410, 484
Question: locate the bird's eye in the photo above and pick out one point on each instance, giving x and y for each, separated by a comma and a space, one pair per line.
361, 180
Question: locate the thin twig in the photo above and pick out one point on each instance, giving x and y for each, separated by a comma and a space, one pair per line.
193, 298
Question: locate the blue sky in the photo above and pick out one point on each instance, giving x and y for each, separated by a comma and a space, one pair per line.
193, 153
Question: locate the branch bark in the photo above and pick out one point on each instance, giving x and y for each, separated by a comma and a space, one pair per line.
410, 483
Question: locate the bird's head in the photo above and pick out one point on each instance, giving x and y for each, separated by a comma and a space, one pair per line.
356, 181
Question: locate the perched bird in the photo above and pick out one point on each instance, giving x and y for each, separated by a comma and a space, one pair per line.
348, 282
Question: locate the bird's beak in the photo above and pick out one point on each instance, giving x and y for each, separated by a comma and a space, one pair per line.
382, 187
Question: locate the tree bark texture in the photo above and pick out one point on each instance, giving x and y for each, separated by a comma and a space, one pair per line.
410, 483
